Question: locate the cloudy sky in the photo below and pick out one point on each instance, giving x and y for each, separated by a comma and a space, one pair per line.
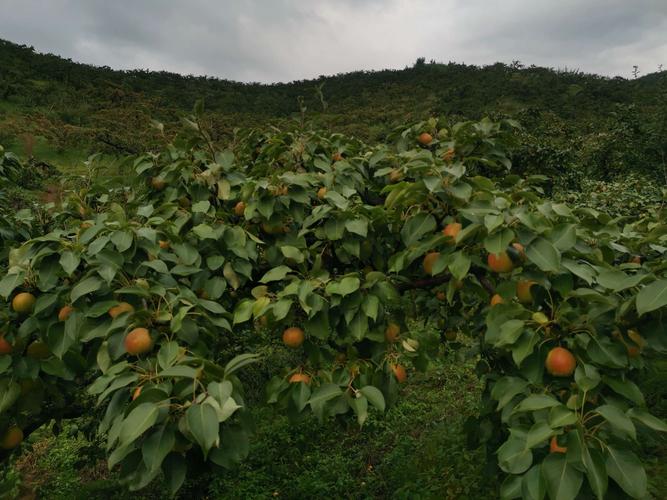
285, 40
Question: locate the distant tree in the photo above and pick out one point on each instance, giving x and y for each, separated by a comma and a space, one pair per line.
421, 61
635, 71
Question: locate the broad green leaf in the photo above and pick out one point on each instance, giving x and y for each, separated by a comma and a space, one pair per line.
202, 422
626, 469
142, 418
416, 227
85, 287
157, 446
275, 274
536, 402
617, 419
652, 297
544, 255
533, 486
9, 393
506, 388
239, 362
596, 471
10, 282
647, 419
562, 479
514, 457
497, 242
374, 396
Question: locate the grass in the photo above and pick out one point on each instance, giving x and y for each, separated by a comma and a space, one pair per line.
416, 450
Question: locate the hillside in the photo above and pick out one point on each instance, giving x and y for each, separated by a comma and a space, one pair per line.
575, 123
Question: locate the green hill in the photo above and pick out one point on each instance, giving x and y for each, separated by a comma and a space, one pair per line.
574, 123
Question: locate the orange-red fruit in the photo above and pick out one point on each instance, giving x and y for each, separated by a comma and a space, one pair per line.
136, 393
441, 296
24, 303
12, 438
555, 448
523, 292
121, 308
299, 377
5, 347
429, 261
400, 373
64, 313
496, 299
633, 351
164, 244
452, 230
321, 193
449, 155
560, 362
239, 208
293, 337
520, 249
337, 157
500, 262
138, 341
391, 333
425, 138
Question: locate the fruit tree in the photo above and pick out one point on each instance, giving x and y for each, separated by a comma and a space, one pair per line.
326, 243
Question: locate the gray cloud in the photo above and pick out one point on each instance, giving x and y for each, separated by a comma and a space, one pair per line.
284, 40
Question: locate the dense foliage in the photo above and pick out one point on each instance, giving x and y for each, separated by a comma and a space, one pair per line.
575, 124
139, 294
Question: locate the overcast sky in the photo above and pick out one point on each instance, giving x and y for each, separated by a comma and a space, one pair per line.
285, 40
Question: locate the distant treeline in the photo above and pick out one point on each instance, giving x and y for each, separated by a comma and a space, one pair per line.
575, 124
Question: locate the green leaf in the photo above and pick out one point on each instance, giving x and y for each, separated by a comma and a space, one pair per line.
167, 355
652, 297
538, 434
360, 407
142, 418
10, 282
69, 261
157, 446
275, 274
564, 236
514, 457
647, 419
506, 388
239, 362
533, 486
544, 255
174, 469
617, 419
561, 415
626, 469
357, 226
293, 253
416, 227
324, 393
536, 402
596, 472
497, 242
510, 331
202, 421
562, 479
374, 396
9, 393
459, 265
85, 287
348, 285
243, 311
625, 388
